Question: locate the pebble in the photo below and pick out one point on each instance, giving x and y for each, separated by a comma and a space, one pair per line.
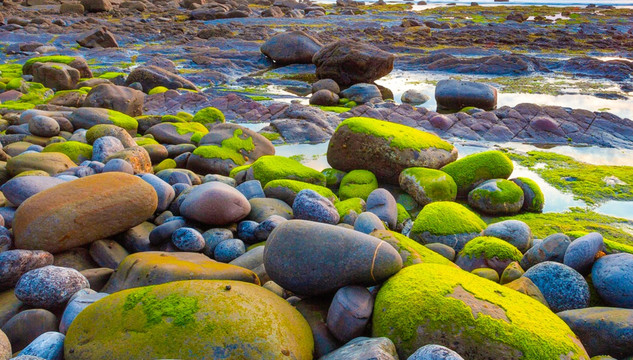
251, 189
229, 250
552, 248
18, 189
381, 203
49, 287
215, 203
515, 232
118, 165
246, 231
263, 230
368, 222
27, 325
49, 346
365, 348
15, 263
76, 304
188, 239
104, 147
612, 276
350, 312
434, 352
563, 287
213, 237
580, 254
309, 205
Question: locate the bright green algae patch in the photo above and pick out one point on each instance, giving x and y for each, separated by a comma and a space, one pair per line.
122, 120
411, 251
208, 115
272, 167
539, 199
585, 181
296, 186
437, 304
401, 136
447, 218
216, 152
140, 141
490, 247
473, 169
75, 150
191, 127
508, 192
437, 185
60, 59
353, 204
357, 184
180, 308
237, 143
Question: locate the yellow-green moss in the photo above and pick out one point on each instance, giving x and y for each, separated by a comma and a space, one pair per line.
333, 177
141, 141
112, 75
437, 185
508, 193
216, 152
192, 127
490, 247
122, 120
60, 59
475, 168
238, 143
165, 164
539, 199
208, 115
296, 186
447, 218
403, 214
353, 204
235, 171
357, 184
411, 251
273, 167
158, 90
75, 150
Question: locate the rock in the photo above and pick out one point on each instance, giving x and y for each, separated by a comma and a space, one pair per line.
246, 142
229, 250
472, 170
602, 330
51, 163
96, 5
215, 203
324, 97
119, 98
71, 8
263, 208
56, 76
357, 184
367, 223
98, 38
581, 253
108, 130
457, 94
263, 230
18, 189
108, 253
351, 62
43, 126
496, 197
437, 304
563, 287
173, 314
155, 267
104, 147
314, 310
5, 346
326, 84
362, 93
552, 248
15, 263
291, 47
487, 252
428, 185
49, 287
27, 325
187, 239
534, 199
363, 348
311, 258
383, 204
78, 63
385, 148
612, 277
84, 210
152, 76
350, 312
431, 226
526, 286
515, 232
310, 205
163, 190
118, 165
512, 272
410, 251
49, 345
434, 352
272, 167
251, 189
136, 156
87, 117
414, 97
76, 305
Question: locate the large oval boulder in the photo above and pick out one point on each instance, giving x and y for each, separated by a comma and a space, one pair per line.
195, 319
82, 211
386, 148
612, 276
437, 304
456, 95
18, 189
311, 258
215, 203
292, 47
472, 170
51, 163
120, 98
152, 76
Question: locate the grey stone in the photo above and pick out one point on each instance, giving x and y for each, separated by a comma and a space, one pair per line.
368, 222
434, 352
515, 232
580, 254
49, 346
18, 189
612, 276
350, 312
75, 306
563, 287
381, 203
363, 348
309, 205
229, 250
49, 287
15, 263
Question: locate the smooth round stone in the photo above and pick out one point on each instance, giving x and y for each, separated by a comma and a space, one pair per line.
27, 325
497, 197
487, 273
49, 287
552, 248
213, 237
428, 185
178, 177
350, 312
188, 239
118, 165
512, 272
44, 126
443, 249
179, 188
104, 147
75, 306
381, 203
162, 233
365, 348
434, 352
215, 203
5, 346
251, 189
310, 258
18, 189
49, 345
15, 263
515, 232
251, 259
229, 250
612, 276
580, 254
108, 253
263, 230
310, 205
263, 208
36, 148
246, 231
368, 222
563, 287
165, 192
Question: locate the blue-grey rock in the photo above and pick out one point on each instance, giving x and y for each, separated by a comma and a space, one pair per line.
362, 93
250, 259
76, 304
383, 204
602, 330
264, 228
246, 231
15, 263
7, 214
179, 188
105, 146
251, 189
41, 125
178, 177
18, 189
434, 352
6, 240
49, 287
229, 250
49, 346
563, 287
612, 276
310, 205
162, 233
262, 208
515, 232
35, 148
119, 165
580, 254
165, 192
442, 249
552, 248
188, 239
27, 325
97, 166
213, 237
456, 95
363, 348
368, 222
350, 312
27, 357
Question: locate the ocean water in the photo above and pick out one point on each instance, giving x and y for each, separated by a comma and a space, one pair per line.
434, 3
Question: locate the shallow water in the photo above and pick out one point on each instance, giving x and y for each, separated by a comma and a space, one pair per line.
435, 3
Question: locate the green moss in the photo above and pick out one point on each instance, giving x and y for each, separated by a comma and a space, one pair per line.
112, 75
333, 177
61, 59
181, 309
238, 143
61, 93
197, 137
172, 119
491, 247
270, 135
400, 136
186, 128
539, 199
508, 193
447, 218
585, 181
208, 115
235, 171
473, 169
9, 71
122, 120
75, 150
158, 90
216, 152
357, 184
403, 214
272, 167
437, 185
15, 105
185, 115
344, 207
433, 303
296, 186
259, 97
336, 109
165, 164
411, 252
14, 84
141, 141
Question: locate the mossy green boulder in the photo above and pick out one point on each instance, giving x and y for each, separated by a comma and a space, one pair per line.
250, 144
496, 197
194, 319
208, 115
357, 184
385, 148
52, 163
534, 200
78, 63
411, 252
102, 130
472, 170
87, 117
176, 132
448, 223
437, 304
428, 185
272, 167
75, 150
287, 190
211, 159
487, 252
345, 207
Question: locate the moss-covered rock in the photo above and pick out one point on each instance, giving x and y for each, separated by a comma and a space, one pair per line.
437, 304
448, 223
333, 177
195, 319
52, 163
385, 148
487, 252
208, 115
411, 252
357, 184
273, 167
158, 90
428, 185
102, 130
533, 198
497, 197
176, 132
75, 62
87, 117
245, 141
287, 190
472, 170
211, 159
75, 150
345, 207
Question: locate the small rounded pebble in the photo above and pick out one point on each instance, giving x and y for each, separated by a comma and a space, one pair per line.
229, 250
50, 286
563, 287
368, 222
188, 239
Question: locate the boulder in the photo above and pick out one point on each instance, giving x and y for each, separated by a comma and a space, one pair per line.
49, 287
457, 94
138, 158
487, 252
472, 170
427, 185
534, 200
515, 232
215, 203
87, 117
291, 47
496, 197
152, 76
581, 253
52, 163
96, 5
119, 98
56, 76
612, 276
18, 189
563, 287
98, 38
15, 263
362, 93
